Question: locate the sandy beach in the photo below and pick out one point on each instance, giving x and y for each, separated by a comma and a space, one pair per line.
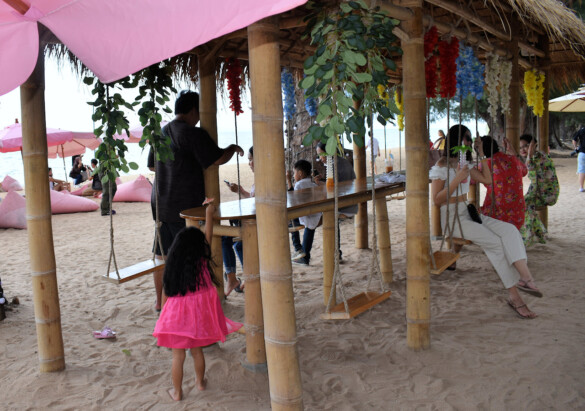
482, 355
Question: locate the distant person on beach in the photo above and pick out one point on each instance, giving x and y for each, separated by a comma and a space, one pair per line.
440, 142
227, 243
579, 145
78, 172
180, 183
500, 241
56, 184
191, 316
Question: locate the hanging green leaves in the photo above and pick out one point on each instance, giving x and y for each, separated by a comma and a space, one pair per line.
354, 51
109, 115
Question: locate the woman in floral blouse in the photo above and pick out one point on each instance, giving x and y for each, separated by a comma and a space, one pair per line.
504, 199
543, 190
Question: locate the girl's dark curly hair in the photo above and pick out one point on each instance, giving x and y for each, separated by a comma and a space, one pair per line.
188, 257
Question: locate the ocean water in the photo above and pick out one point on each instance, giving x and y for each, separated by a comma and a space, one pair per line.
11, 163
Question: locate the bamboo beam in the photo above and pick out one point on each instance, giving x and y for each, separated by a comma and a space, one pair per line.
273, 240
418, 312
543, 122
513, 117
208, 118
38, 215
361, 218
254, 321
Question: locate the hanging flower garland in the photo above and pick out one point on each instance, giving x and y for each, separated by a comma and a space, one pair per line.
505, 80
448, 52
399, 100
430, 43
492, 82
469, 74
311, 106
534, 89
288, 91
234, 82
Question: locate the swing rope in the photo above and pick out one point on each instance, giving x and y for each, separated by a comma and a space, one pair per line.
237, 157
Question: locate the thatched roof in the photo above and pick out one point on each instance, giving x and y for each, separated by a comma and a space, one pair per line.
486, 25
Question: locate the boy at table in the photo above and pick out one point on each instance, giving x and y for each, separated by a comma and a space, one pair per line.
302, 174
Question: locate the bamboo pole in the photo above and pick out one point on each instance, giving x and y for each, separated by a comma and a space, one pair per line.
513, 117
328, 257
361, 218
383, 235
208, 118
38, 215
273, 240
436, 230
418, 311
543, 122
254, 321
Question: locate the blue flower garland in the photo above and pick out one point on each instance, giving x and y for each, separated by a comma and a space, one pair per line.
288, 91
470, 79
311, 106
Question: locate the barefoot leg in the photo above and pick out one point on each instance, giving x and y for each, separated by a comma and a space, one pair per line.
232, 283
158, 285
199, 360
177, 373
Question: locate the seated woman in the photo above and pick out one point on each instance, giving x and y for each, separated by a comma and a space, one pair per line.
78, 172
56, 184
543, 190
500, 241
504, 199
227, 243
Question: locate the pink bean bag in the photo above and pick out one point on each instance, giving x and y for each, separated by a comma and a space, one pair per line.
10, 184
81, 189
13, 211
137, 190
63, 202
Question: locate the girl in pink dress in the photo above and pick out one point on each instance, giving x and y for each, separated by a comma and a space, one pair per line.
191, 316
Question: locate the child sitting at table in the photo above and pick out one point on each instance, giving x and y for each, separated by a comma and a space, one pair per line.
302, 176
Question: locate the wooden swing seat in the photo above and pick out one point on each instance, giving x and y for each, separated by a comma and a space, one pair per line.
135, 271
443, 259
357, 305
461, 241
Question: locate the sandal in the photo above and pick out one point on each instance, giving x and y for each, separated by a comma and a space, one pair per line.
516, 309
106, 333
524, 286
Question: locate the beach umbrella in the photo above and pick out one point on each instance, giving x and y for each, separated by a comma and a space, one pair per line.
11, 140
135, 134
77, 145
570, 103
103, 33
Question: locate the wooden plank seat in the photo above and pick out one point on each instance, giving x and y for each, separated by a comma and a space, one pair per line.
134, 271
443, 259
461, 241
357, 305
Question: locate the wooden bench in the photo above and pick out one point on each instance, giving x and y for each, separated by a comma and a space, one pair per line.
135, 271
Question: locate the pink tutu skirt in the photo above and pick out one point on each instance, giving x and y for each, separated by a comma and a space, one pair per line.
193, 320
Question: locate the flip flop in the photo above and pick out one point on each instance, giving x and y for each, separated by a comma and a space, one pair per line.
239, 288
523, 286
106, 333
516, 308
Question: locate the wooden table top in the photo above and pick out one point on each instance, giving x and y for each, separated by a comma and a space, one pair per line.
314, 198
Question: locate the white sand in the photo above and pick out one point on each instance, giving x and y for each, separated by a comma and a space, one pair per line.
481, 357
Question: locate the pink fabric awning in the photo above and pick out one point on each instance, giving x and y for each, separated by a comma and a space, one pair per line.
115, 38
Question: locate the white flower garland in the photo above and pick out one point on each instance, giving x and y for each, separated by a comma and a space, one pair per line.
498, 76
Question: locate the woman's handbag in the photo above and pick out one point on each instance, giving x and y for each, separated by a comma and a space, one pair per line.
473, 213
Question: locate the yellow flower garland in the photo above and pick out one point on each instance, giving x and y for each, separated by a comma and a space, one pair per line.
399, 100
534, 89
383, 94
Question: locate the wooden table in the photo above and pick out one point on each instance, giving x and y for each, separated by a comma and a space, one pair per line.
299, 203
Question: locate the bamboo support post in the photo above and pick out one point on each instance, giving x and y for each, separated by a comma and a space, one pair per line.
273, 240
383, 235
361, 218
543, 122
473, 195
38, 215
328, 257
436, 230
418, 312
208, 118
254, 321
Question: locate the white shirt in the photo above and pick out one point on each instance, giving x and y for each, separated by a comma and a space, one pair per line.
376, 145
309, 221
440, 173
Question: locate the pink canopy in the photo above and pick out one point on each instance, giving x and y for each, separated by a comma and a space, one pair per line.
115, 38
11, 139
75, 146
